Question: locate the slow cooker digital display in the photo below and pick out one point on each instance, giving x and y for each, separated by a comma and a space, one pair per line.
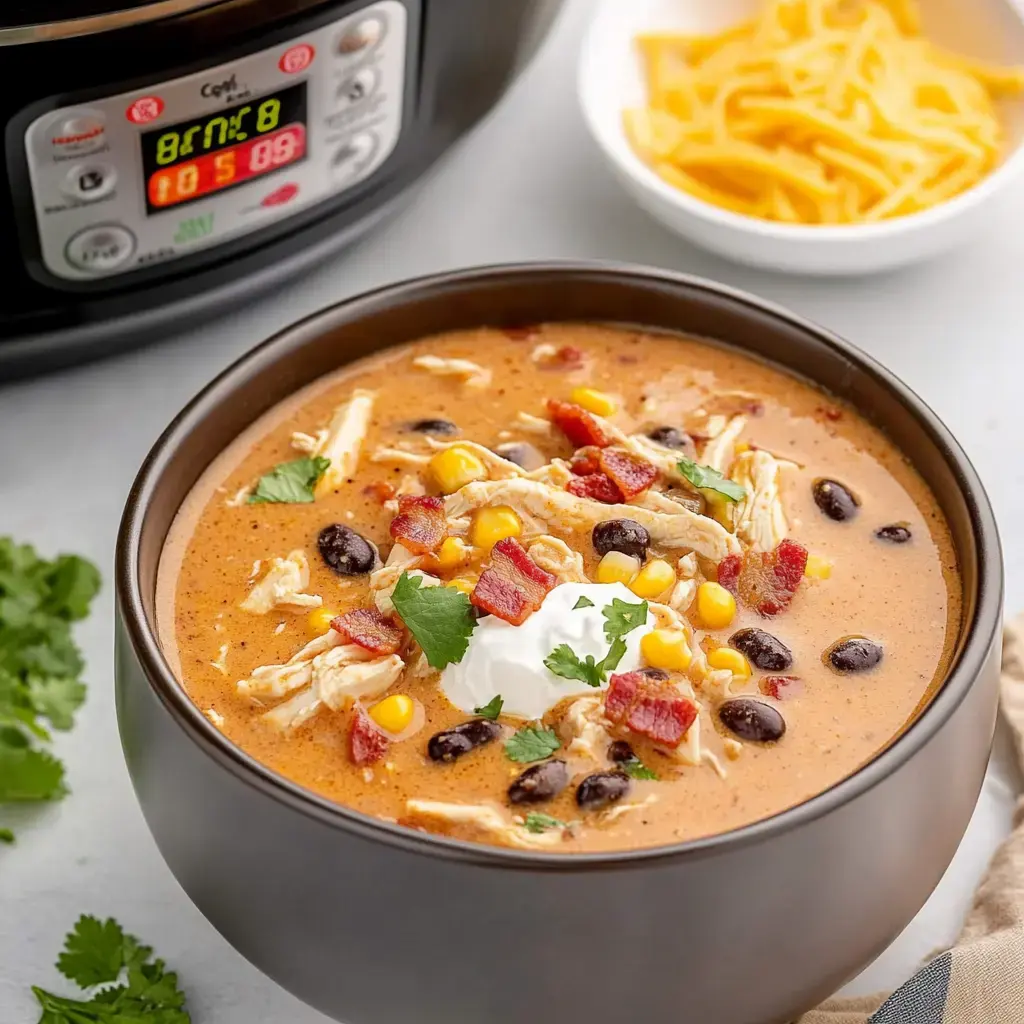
186, 161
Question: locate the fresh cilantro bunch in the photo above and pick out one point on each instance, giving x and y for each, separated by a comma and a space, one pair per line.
39, 665
620, 617
97, 954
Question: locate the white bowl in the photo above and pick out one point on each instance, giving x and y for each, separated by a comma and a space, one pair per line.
610, 80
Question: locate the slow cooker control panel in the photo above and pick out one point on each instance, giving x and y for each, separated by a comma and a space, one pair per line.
153, 175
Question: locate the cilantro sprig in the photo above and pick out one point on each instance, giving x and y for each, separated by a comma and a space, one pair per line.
583, 602
39, 665
532, 743
102, 953
440, 619
492, 709
622, 617
290, 482
636, 769
542, 822
563, 661
704, 478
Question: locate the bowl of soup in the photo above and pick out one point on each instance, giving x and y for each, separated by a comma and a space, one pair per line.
558, 641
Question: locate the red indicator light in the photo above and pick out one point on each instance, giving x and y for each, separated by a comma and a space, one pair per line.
296, 59
145, 109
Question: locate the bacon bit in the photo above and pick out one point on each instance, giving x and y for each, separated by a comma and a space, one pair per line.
420, 524
381, 490
781, 687
577, 424
830, 412
569, 357
596, 486
585, 461
765, 580
366, 743
370, 629
650, 707
630, 474
513, 586
754, 407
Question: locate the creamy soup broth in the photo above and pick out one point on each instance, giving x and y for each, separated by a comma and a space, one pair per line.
900, 594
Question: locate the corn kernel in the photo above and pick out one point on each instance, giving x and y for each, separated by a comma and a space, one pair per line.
319, 620
740, 447
455, 467
462, 586
617, 567
818, 568
493, 524
715, 605
667, 649
393, 713
726, 657
593, 401
454, 551
653, 579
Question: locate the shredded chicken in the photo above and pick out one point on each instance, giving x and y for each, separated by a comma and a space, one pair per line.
684, 529
542, 352
584, 721
689, 749
689, 579
666, 617
296, 711
215, 717
339, 683
497, 467
555, 473
759, 518
240, 497
533, 424
344, 440
399, 457
472, 374
613, 813
485, 818
383, 580
558, 558
221, 663
720, 450
283, 586
309, 444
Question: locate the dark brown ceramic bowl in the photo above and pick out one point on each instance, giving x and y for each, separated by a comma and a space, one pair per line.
375, 924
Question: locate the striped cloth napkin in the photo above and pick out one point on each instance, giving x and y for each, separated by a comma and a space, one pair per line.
981, 979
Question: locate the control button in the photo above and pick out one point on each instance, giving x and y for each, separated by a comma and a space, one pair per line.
89, 182
81, 132
297, 58
356, 88
285, 194
145, 109
363, 36
354, 155
100, 249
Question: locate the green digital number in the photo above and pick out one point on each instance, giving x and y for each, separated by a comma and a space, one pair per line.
236, 124
268, 115
186, 140
217, 122
167, 148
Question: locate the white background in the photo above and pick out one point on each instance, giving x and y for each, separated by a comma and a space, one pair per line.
527, 184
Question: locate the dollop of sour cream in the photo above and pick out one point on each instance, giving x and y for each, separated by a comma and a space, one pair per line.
508, 660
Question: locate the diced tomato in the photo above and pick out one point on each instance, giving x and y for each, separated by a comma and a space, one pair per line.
420, 524
765, 580
597, 486
370, 629
577, 424
569, 357
513, 586
649, 707
366, 743
630, 474
585, 461
781, 687
381, 490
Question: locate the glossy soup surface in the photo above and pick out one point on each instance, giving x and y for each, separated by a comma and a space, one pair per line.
903, 597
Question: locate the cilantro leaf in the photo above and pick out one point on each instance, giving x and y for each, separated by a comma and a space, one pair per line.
6, 835
290, 482
611, 660
541, 822
100, 953
28, 774
622, 617
56, 697
583, 602
95, 952
563, 661
491, 709
704, 478
636, 769
532, 743
440, 619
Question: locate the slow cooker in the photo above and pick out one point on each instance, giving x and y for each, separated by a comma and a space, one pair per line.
166, 160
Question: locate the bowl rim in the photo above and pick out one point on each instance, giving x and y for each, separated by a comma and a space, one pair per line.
979, 634
621, 155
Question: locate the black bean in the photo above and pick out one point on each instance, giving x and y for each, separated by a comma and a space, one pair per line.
670, 437
657, 674
762, 649
601, 789
522, 454
621, 535
835, 500
539, 782
752, 720
461, 739
620, 750
894, 533
429, 426
346, 552
853, 654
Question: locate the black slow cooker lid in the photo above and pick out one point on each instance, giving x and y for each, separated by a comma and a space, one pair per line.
20, 13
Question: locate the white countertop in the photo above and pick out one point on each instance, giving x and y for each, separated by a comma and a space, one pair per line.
527, 184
